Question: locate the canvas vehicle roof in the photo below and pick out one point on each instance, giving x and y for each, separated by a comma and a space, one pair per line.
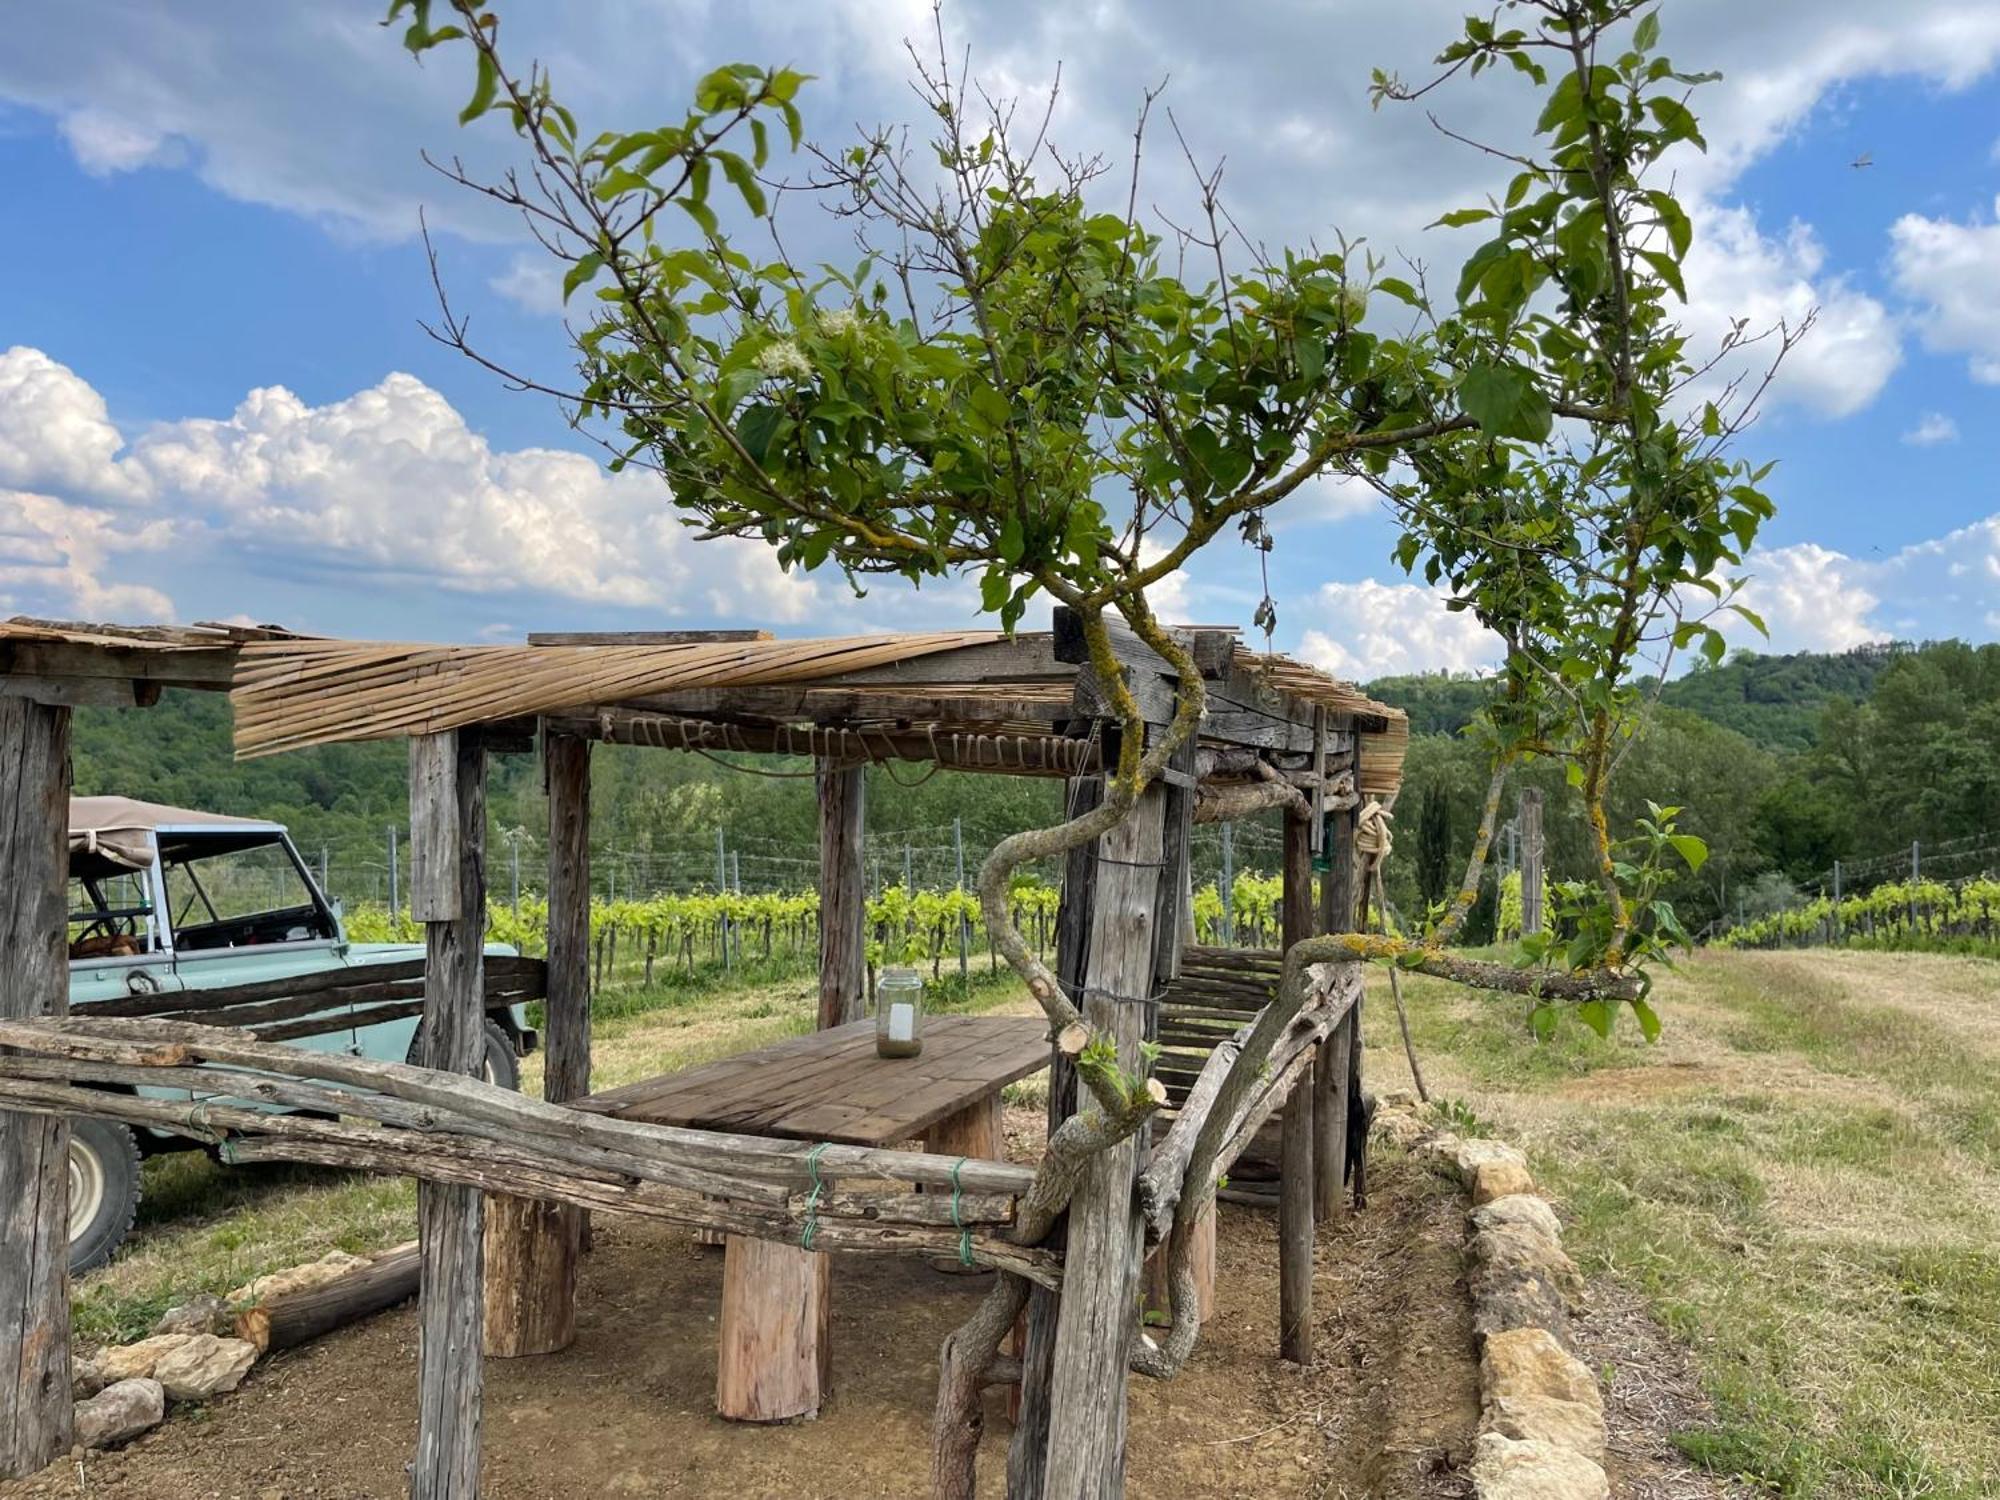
116, 828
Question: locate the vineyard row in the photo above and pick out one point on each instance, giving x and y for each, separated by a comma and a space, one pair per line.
1912, 914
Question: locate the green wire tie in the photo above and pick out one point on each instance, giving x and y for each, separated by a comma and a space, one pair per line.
811, 1227
964, 1234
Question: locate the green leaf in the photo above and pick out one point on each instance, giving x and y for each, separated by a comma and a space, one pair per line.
1646, 35
1676, 120
1458, 218
738, 171
759, 428
586, 267
1690, 848
1649, 1020
1597, 1015
702, 214
1542, 1021
484, 87
1504, 400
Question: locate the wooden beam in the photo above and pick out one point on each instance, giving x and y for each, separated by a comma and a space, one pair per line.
194, 667
451, 1316
843, 894
642, 637
35, 1415
1335, 1071
82, 692
1295, 1178
1028, 1453
533, 1248
1098, 1315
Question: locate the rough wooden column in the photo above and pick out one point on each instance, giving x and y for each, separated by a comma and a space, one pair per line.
1332, 1068
774, 1356
448, 895
1296, 1177
1098, 1313
1028, 1453
1528, 818
974, 1131
533, 1248
843, 894
34, 1149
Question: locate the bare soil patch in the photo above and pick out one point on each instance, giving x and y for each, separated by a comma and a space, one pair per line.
1389, 1407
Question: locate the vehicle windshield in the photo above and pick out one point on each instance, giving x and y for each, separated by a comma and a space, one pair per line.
110, 914
229, 891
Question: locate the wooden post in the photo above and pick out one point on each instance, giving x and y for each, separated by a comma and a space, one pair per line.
774, 1358
1331, 1068
1528, 818
1159, 1292
1098, 1313
533, 1248
974, 1131
843, 894
448, 894
1028, 1453
35, 1413
1296, 1177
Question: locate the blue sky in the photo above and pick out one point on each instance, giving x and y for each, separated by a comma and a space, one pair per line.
216, 402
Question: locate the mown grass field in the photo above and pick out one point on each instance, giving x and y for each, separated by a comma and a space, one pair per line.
1802, 1179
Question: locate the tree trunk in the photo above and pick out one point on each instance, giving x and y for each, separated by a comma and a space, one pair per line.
294, 1318
1330, 1072
35, 1414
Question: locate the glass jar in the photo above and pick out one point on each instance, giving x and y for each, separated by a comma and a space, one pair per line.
899, 1013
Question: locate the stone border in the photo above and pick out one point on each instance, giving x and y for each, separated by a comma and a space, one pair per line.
1541, 1427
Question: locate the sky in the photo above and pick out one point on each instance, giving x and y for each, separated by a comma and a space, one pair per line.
217, 401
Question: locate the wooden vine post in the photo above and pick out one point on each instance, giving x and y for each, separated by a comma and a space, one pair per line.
1097, 1317
448, 895
532, 1247
1296, 1177
843, 894
1336, 1067
1529, 819
35, 1415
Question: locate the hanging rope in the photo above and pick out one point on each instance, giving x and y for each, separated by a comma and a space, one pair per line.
811, 1227
964, 1234
1374, 840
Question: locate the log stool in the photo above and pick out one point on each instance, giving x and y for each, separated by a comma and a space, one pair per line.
775, 1362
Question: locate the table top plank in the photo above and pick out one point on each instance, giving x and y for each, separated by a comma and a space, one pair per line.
832, 1085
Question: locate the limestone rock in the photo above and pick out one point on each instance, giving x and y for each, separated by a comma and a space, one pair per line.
329, 1267
1470, 1155
1439, 1146
85, 1379
120, 1412
1401, 1128
1520, 1278
137, 1361
1499, 1179
205, 1366
204, 1314
1522, 1209
1505, 1468
1535, 1390
1399, 1099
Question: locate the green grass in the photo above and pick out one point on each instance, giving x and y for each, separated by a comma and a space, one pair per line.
1801, 1179
203, 1227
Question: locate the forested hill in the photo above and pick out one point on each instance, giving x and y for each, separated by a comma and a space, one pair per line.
1772, 701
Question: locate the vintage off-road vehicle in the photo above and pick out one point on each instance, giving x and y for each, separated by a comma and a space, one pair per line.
164, 901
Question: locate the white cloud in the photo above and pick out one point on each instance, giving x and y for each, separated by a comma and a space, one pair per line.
1950, 270
1372, 629
53, 557
389, 483
1932, 428
104, 143
1734, 270
532, 282
1816, 599
56, 432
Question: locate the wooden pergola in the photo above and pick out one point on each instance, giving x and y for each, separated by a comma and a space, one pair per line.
1278, 734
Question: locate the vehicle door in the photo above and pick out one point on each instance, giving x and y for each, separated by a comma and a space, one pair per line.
241, 910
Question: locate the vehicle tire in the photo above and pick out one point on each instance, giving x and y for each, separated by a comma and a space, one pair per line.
500, 1067
103, 1190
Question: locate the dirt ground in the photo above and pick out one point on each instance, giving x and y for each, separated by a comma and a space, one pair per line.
1388, 1408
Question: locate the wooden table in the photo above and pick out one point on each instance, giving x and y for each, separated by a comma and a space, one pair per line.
773, 1363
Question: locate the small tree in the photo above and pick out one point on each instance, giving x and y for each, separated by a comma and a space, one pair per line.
1025, 379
